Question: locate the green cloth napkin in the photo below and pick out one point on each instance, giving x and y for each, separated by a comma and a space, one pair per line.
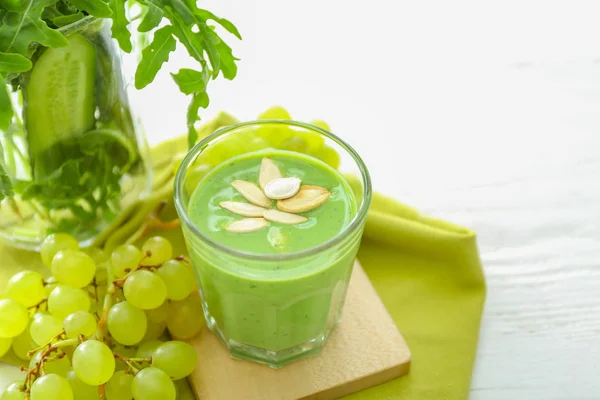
427, 272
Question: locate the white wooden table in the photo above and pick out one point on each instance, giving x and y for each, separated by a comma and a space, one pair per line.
486, 115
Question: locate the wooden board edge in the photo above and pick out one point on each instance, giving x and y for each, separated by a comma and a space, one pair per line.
361, 384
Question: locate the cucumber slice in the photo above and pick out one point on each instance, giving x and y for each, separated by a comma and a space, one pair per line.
60, 95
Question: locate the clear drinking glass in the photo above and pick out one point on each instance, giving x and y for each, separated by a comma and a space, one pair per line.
73, 153
295, 307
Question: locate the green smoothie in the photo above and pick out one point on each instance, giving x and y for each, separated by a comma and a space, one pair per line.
274, 298
323, 223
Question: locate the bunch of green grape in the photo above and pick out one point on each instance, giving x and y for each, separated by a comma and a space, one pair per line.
97, 328
267, 136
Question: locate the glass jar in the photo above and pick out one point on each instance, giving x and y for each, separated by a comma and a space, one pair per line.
273, 308
74, 153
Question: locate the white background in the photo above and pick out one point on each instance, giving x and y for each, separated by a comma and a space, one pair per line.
483, 113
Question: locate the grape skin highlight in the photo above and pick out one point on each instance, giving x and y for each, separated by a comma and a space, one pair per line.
93, 362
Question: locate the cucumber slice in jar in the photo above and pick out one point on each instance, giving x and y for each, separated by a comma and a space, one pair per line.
60, 96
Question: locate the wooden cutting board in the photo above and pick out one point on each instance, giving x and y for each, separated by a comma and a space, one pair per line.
366, 349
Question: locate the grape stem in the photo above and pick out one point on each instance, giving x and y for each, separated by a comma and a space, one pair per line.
49, 344
128, 361
153, 221
102, 391
37, 306
108, 297
38, 369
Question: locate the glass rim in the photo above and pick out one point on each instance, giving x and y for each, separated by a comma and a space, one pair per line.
193, 153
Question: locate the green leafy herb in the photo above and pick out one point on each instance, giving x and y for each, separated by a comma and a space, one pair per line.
6, 188
190, 80
154, 56
199, 99
14, 62
21, 28
27, 23
97, 8
6, 110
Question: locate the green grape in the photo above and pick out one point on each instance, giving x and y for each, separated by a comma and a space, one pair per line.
126, 323
155, 330
44, 327
59, 366
5, 344
223, 149
13, 318
158, 314
96, 254
321, 124
296, 144
101, 276
22, 344
156, 251
119, 386
93, 362
51, 284
80, 323
124, 259
14, 391
315, 140
176, 359
153, 384
257, 143
65, 300
81, 390
178, 278
145, 290
328, 155
275, 112
55, 243
51, 387
26, 287
185, 317
73, 268
275, 134
195, 175
146, 349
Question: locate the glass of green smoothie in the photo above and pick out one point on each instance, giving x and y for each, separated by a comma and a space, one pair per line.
272, 213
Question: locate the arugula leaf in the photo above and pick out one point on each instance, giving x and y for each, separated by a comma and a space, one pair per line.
200, 99
182, 10
190, 80
152, 19
206, 15
187, 37
154, 56
14, 62
6, 109
64, 20
19, 29
119, 27
6, 188
208, 40
97, 8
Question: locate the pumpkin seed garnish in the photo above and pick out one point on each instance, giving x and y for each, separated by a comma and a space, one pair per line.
243, 209
247, 225
282, 188
252, 193
284, 217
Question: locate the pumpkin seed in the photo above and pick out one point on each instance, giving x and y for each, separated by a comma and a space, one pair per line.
282, 188
284, 217
268, 172
243, 209
308, 198
247, 225
251, 192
